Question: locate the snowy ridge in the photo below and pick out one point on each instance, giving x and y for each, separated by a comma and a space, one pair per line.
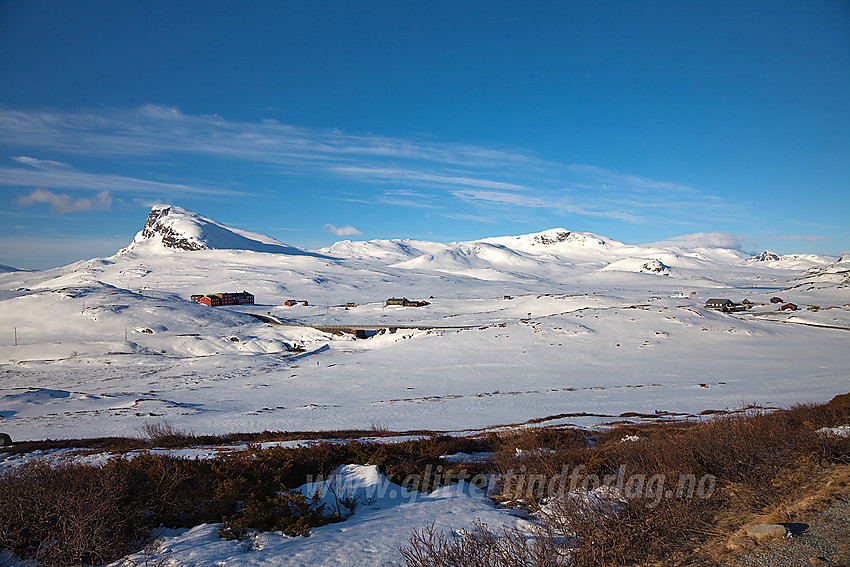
562, 242
790, 261
480, 259
383, 250
834, 275
641, 265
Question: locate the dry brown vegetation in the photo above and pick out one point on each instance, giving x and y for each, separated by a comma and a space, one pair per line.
765, 465
77, 514
164, 434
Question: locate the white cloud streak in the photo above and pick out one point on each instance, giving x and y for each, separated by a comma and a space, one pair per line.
39, 163
707, 240
346, 230
63, 204
57, 175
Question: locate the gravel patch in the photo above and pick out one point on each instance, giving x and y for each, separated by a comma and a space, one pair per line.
825, 541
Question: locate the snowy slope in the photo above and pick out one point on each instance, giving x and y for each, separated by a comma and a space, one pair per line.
371, 536
383, 251
480, 260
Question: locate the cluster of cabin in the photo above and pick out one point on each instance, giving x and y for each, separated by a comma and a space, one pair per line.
404, 302
219, 299
728, 306
783, 306
245, 298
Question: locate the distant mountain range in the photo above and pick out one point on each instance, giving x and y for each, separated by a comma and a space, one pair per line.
170, 228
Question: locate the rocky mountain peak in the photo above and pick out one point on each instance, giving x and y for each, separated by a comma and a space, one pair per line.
766, 256
171, 228
552, 237
157, 225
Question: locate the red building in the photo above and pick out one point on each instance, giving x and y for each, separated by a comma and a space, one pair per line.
218, 299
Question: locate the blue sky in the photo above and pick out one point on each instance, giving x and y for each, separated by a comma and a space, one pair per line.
316, 121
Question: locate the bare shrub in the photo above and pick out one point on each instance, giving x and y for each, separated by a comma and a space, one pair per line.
164, 434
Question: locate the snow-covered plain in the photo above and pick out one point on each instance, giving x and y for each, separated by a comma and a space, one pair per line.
593, 328
551, 328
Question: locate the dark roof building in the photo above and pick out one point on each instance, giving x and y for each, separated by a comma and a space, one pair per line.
404, 302
219, 299
720, 304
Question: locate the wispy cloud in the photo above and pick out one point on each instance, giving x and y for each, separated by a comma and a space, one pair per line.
423, 178
56, 175
481, 177
40, 163
555, 202
346, 230
63, 204
471, 218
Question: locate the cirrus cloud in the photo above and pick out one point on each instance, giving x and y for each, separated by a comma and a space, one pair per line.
488, 181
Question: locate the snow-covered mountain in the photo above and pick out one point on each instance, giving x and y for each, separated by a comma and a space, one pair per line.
172, 228
790, 261
554, 254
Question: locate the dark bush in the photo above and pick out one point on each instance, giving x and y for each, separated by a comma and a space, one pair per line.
73, 515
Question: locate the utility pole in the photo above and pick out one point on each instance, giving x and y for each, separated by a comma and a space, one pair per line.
16, 336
